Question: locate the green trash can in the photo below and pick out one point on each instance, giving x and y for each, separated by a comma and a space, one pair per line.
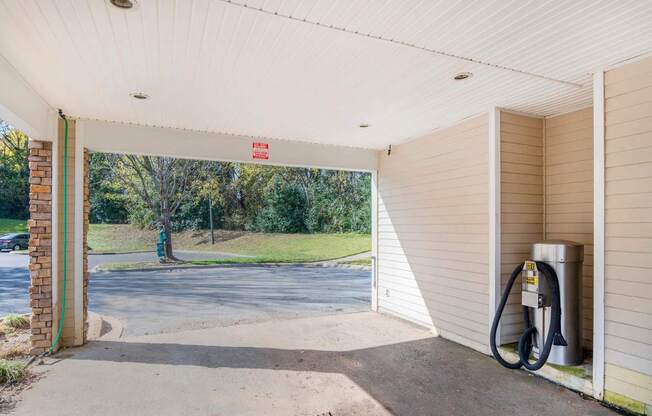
160, 246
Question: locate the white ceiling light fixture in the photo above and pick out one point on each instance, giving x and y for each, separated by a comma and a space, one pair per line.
139, 95
364, 125
124, 4
462, 76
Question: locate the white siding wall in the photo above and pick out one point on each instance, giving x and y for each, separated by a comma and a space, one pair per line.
628, 231
433, 232
521, 177
569, 194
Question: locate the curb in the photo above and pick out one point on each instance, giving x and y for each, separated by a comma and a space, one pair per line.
113, 253
99, 269
117, 329
97, 322
117, 253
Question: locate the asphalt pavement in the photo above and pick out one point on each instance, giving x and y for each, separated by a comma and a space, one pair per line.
162, 301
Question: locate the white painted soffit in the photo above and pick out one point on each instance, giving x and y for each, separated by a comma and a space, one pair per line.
22, 107
220, 66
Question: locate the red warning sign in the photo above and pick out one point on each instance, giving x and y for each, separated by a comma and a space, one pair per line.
260, 151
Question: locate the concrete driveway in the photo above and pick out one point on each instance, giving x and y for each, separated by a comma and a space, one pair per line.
340, 365
151, 302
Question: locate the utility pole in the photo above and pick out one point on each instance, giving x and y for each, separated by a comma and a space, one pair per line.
210, 217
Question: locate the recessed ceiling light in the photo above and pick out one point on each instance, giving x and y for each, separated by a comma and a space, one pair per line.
462, 75
139, 95
123, 4
364, 125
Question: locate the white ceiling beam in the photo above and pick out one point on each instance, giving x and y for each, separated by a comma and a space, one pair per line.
22, 107
110, 137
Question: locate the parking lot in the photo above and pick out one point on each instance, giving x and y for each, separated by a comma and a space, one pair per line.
161, 301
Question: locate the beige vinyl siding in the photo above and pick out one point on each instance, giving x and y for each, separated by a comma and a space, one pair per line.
569, 194
521, 184
628, 230
433, 232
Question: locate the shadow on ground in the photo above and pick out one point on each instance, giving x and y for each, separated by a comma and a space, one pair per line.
424, 377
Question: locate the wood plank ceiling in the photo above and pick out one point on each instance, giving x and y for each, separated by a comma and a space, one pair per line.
257, 68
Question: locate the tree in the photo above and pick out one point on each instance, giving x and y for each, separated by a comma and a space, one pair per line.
109, 202
284, 210
162, 183
341, 202
14, 173
209, 191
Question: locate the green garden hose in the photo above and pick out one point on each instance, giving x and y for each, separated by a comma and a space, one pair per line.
65, 232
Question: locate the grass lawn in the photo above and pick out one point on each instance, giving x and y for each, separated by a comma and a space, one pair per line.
120, 238
359, 262
12, 226
273, 248
286, 248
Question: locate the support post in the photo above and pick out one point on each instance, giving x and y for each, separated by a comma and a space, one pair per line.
494, 216
73, 161
598, 234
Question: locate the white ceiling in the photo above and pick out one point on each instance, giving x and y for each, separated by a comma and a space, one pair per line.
217, 66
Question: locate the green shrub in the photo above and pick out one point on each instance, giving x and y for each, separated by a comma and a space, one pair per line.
16, 321
12, 371
284, 210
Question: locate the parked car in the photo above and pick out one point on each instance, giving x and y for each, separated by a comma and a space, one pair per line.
15, 241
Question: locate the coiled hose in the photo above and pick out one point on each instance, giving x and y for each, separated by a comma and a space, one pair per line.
525, 341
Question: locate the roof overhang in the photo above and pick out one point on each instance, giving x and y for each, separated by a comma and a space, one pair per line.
22, 107
109, 137
307, 70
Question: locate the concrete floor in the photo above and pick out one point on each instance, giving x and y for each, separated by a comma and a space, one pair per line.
346, 364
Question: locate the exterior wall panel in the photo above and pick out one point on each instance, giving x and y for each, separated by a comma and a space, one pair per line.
628, 231
521, 184
569, 185
433, 232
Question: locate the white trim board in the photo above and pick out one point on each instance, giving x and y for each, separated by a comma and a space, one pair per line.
374, 241
78, 278
598, 234
104, 136
494, 215
54, 241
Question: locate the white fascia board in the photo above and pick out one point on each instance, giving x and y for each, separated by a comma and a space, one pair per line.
22, 107
110, 137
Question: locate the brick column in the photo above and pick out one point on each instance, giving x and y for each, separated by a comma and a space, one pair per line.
40, 244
